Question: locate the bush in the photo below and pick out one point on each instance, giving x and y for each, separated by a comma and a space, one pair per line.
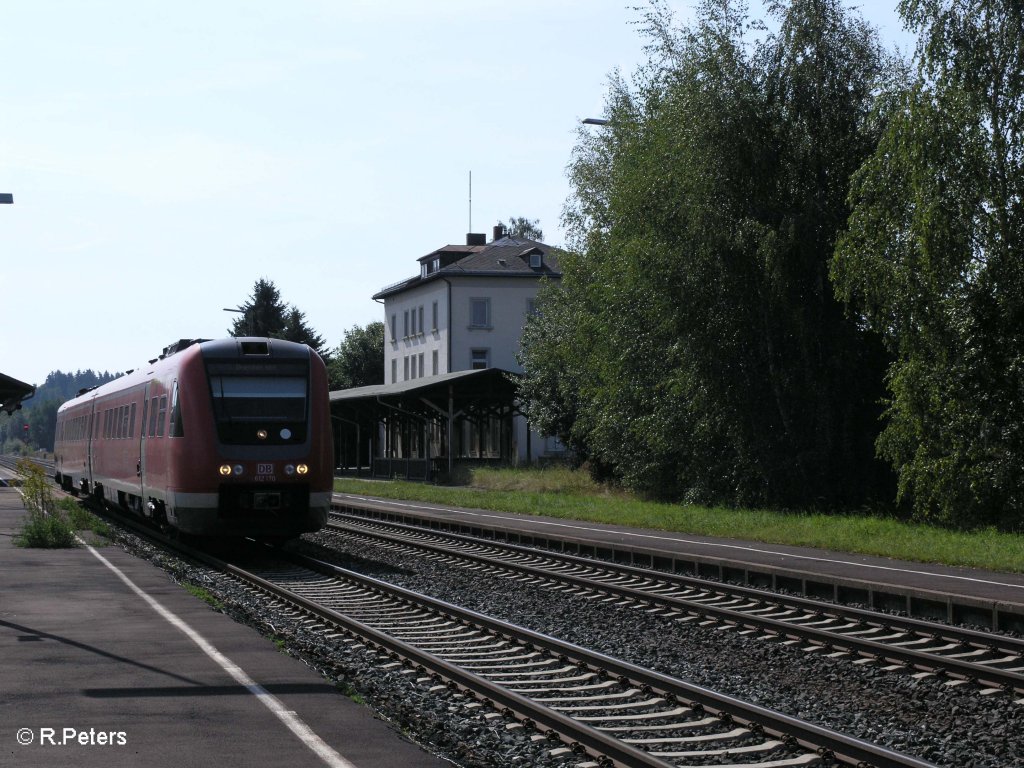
46, 526
46, 531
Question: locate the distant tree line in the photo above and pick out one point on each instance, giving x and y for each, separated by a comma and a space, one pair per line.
39, 413
795, 274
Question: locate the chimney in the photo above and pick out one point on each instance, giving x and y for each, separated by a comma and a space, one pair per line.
499, 231
476, 238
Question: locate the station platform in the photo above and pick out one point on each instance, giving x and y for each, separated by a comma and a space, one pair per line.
959, 595
92, 674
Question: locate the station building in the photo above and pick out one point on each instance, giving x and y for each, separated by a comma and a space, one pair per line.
452, 334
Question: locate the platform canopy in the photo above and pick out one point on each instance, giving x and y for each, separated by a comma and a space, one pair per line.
12, 392
467, 385
422, 416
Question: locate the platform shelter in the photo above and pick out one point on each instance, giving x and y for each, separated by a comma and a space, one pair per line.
424, 429
13, 392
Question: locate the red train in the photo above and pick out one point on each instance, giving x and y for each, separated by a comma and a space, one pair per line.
214, 438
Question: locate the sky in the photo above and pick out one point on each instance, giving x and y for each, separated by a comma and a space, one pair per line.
163, 157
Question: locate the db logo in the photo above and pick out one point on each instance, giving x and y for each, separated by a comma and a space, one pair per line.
264, 469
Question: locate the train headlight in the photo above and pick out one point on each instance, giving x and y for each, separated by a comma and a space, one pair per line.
302, 469
238, 469
262, 434
289, 469
225, 469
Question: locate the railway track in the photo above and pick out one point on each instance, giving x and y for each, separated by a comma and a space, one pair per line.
995, 662
8, 465
609, 712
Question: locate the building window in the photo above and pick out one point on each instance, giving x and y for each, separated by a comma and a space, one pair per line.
433, 361
433, 311
394, 329
479, 313
423, 371
412, 322
394, 370
405, 366
531, 307
479, 358
536, 260
405, 330
421, 319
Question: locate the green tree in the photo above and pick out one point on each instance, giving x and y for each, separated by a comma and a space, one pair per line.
522, 227
42, 420
933, 260
296, 329
358, 360
263, 313
698, 350
266, 314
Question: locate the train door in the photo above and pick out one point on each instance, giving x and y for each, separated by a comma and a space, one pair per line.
140, 467
90, 445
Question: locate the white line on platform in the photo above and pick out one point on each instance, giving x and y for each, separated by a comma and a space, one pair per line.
699, 543
294, 723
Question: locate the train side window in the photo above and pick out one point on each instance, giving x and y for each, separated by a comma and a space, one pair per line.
161, 418
145, 409
152, 416
177, 426
131, 422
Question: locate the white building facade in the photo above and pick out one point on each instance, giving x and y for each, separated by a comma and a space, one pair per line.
466, 310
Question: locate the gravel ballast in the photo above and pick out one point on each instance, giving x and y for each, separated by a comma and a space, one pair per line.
946, 725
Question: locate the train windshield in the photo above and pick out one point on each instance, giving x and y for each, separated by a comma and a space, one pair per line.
260, 410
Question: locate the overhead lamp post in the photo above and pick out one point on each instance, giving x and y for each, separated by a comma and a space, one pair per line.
6, 198
241, 312
595, 121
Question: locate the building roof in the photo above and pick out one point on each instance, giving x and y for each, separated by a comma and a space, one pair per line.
12, 392
504, 257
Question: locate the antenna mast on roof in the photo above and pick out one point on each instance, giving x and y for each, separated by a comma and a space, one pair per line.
470, 202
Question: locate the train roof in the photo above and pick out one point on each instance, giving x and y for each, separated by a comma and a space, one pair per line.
220, 349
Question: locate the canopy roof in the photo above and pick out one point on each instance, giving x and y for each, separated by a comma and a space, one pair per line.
12, 392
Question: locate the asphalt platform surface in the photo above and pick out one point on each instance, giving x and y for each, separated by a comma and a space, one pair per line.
92, 674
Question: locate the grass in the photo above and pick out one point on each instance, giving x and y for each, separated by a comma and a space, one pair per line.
348, 690
81, 519
203, 594
572, 495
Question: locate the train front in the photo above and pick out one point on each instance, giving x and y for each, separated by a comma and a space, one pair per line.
274, 451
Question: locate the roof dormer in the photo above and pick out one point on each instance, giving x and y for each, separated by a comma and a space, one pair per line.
534, 257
